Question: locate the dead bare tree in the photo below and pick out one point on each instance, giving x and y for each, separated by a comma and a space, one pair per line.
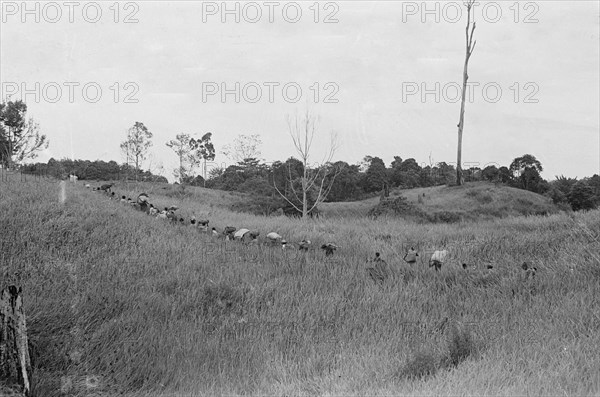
469, 51
320, 179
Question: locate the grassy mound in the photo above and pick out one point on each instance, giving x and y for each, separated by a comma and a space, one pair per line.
474, 201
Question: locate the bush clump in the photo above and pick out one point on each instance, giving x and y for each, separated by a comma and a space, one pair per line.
460, 347
421, 365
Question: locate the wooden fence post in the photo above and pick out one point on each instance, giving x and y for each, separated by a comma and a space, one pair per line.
15, 365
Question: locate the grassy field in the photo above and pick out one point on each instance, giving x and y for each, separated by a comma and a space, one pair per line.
119, 303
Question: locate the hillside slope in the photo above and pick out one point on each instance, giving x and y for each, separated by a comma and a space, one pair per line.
120, 303
473, 201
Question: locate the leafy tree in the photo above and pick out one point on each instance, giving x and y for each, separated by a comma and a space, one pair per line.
203, 149
581, 196
262, 198
409, 173
490, 173
405, 173
526, 174
230, 179
397, 162
426, 177
136, 146
56, 169
20, 138
504, 175
346, 186
252, 167
520, 164
215, 173
184, 151
395, 173
365, 163
557, 196
375, 177
191, 152
282, 173
194, 180
445, 173
409, 165
473, 174
594, 183
563, 184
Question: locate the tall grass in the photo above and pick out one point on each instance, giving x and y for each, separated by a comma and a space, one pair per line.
119, 303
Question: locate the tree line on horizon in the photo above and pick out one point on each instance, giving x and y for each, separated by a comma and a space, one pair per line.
353, 181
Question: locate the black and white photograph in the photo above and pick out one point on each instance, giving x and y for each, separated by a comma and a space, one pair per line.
299, 198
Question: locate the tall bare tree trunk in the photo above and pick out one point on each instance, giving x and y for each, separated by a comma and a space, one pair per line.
127, 173
304, 198
10, 149
15, 364
470, 46
181, 169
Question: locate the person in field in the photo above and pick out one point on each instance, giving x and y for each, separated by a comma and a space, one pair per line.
203, 225
229, 233
411, 256
142, 201
162, 215
152, 211
329, 248
529, 270
274, 239
246, 235
437, 259
378, 269
304, 245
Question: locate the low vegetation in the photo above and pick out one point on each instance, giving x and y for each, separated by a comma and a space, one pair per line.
119, 303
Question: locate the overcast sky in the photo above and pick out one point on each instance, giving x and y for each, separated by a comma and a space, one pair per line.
538, 62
